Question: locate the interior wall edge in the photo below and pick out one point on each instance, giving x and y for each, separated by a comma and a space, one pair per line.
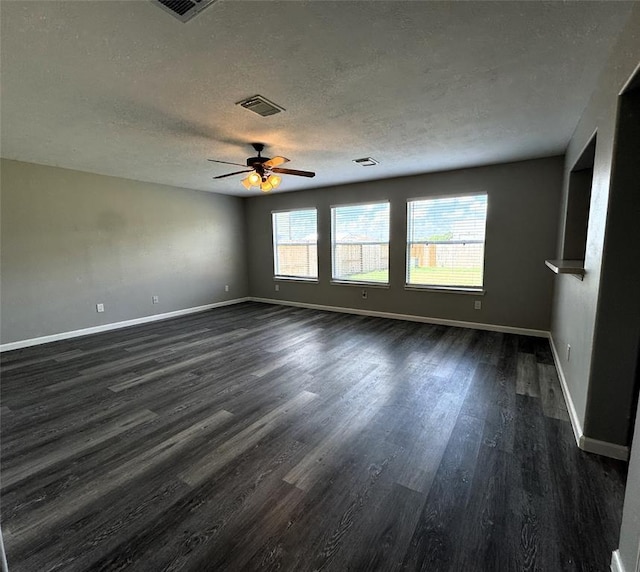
408, 317
616, 562
115, 325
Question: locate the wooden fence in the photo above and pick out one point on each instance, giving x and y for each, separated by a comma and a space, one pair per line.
447, 255
298, 259
301, 259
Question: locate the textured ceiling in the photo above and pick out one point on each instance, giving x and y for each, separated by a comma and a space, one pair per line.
124, 89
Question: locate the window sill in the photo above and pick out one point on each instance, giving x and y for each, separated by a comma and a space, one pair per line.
295, 279
359, 284
446, 289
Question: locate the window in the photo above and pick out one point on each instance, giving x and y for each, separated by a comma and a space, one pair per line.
360, 243
445, 241
295, 244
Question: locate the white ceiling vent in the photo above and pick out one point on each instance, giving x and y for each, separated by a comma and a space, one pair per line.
260, 105
184, 10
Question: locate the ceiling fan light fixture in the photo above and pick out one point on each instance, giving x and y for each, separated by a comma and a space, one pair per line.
264, 173
274, 181
254, 178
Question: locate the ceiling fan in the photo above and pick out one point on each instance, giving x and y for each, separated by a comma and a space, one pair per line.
263, 172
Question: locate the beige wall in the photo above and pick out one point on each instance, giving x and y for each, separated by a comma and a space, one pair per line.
522, 221
73, 239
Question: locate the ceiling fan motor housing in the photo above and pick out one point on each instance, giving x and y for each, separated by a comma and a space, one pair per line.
257, 162
264, 167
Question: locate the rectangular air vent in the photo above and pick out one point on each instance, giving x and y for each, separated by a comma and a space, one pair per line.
260, 105
184, 10
366, 162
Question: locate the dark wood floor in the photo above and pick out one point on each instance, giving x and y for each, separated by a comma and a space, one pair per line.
258, 437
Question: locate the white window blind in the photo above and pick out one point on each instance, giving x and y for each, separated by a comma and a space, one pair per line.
360, 242
445, 242
295, 244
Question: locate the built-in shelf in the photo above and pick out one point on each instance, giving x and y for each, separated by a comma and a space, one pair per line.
574, 267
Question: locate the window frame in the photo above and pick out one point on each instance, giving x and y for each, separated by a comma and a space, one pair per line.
274, 241
459, 289
346, 282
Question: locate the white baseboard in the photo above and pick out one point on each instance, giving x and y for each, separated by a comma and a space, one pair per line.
115, 325
616, 562
409, 318
571, 408
585, 443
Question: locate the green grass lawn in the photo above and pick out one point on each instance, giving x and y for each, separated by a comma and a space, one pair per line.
429, 276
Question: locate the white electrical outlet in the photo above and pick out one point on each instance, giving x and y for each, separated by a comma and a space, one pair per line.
277, 287
477, 305
364, 294
568, 352
226, 287
99, 307
154, 299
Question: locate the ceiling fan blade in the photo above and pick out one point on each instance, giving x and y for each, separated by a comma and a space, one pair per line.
226, 162
231, 174
275, 162
293, 172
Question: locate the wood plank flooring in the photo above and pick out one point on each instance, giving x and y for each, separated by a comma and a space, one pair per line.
259, 437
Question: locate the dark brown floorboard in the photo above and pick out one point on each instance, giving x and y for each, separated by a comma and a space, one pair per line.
259, 437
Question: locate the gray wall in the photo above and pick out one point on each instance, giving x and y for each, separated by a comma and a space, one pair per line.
73, 239
601, 399
599, 316
522, 220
